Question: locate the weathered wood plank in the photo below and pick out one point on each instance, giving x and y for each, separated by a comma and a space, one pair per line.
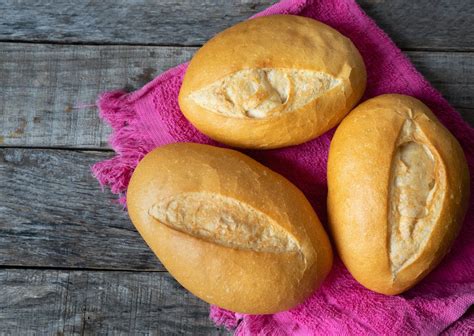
451, 73
425, 24
164, 22
58, 302
42, 85
188, 22
48, 91
53, 214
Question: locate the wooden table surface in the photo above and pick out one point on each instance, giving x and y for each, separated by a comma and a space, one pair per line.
70, 260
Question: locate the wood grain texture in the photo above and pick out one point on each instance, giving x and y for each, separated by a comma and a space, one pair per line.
451, 73
146, 22
46, 89
171, 22
53, 214
58, 302
48, 92
425, 24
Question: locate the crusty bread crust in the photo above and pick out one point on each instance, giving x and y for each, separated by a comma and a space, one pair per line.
272, 82
392, 230
230, 230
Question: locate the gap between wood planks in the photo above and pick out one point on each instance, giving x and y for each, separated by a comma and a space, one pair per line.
86, 269
177, 45
112, 44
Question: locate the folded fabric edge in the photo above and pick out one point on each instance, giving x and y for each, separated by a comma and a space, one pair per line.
246, 325
463, 326
284, 7
223, 317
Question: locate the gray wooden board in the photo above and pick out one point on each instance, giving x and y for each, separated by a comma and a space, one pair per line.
164, 22
46, 89
54, 214
62, 302
421, 24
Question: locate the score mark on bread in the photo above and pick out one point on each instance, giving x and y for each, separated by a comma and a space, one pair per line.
223, 220
265, 92
417, 191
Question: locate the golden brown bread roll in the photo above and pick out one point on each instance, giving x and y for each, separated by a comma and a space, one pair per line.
398, 191
272, 82
230, 230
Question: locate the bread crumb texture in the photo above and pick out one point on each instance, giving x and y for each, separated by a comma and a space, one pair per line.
223, 220
262, 93
417, 191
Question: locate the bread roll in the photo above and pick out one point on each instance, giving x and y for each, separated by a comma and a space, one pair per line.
272, 82
398, 192
230, 230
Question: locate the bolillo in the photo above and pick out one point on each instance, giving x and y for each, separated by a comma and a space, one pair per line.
398, 189
272, 82
230, 230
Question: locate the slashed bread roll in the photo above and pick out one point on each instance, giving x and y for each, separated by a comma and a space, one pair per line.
272, 82
230, 230
398, 192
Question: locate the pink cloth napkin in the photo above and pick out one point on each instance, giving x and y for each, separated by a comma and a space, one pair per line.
150, 117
